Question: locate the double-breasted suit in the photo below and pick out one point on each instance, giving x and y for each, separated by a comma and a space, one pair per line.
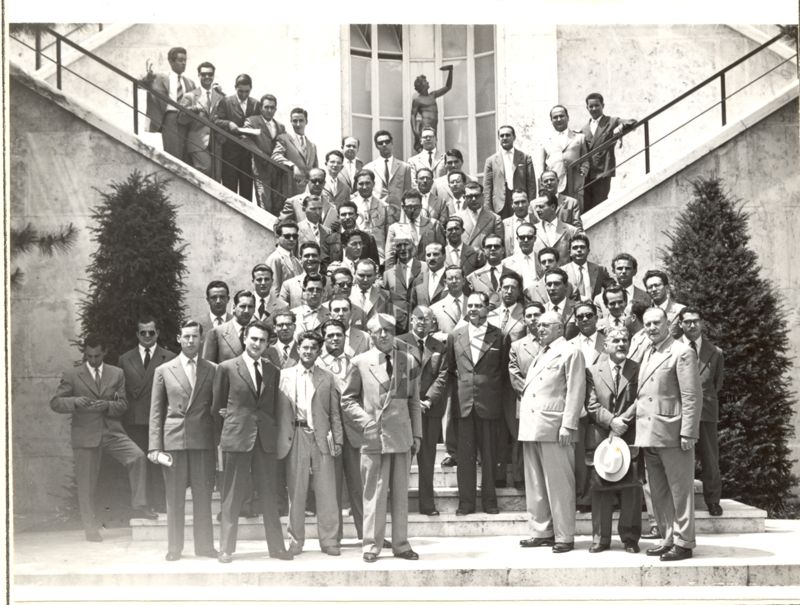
553, 397
181, 424
203, 103
303, 442
95, 429
609, 399
520, 357
247, 437
384, 412
400, 284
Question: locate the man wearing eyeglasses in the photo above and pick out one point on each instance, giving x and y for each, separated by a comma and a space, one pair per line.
523, 261
139, 365
293, 208
283, 262
487, 278
201, 101
478, 220
392, 176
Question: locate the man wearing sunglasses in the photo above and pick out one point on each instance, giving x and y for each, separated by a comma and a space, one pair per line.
201, 101
283, 262
392, 176
294, 210
139, 365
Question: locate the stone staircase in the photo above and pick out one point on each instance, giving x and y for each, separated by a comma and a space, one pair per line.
512, 520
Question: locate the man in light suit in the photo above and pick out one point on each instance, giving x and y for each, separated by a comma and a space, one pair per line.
245, 395
487, 278
310, 314
348, 464
428, 158
450, 310
337, 185
181, 425
430, 353
508, 314
292, 289
478, 220
521, 214
445, 185
227, 341
372, 215
567, 208
561, 151
164, 117
612, 392
456, 251
477, 361
656, 283
506, 171
237, 169
551, 231
202, 101
668, 411
520, 357
367, 295
217, 296
356, 340
399, 281
309, 425
392, 176
711, 363
551, 404
586, 277
266, 176
283, 352
295, 150
94, 395
523, 261
294, 207
267, 302
599, 133
283, 262
351, 164
381, 402
433, 205
312, 230
139, 365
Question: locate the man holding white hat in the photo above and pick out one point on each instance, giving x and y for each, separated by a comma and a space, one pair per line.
615, 380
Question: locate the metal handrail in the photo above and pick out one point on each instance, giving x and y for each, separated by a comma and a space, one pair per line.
645, 122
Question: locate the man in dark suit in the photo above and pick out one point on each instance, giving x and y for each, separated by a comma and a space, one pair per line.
587, 278
505, 171
381, 401
456, 251
428, 158
217, 296
139, 365
164, 117
94, 394
477, 361
487, 278
266, 176
367, 295
567, 207
551, 231
624, 268
181, 425
615, 300
478, 220
295, 151
267, 302
227, 341
556, 284
612, 392
399, 281
711, 364
202, 101
237, 170
667, 415
245, 397
309, 438
351, 164
433, 205
429, 286
429, 352
599, 132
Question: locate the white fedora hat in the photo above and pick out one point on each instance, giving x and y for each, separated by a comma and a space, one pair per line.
612, 458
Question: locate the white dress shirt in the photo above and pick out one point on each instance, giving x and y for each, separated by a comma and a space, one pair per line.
477, 334
305, 391
250, 364
508, 165
434, 278
142, 352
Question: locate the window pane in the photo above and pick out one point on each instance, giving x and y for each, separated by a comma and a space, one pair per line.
360, 85
360, 37
420, 41
390, 38
484, 83
456, 136
455, 101
485, 136
454, 41
391, 82
484, 38
396, 128
362, 130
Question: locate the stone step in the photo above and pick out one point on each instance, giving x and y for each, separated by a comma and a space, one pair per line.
738, 518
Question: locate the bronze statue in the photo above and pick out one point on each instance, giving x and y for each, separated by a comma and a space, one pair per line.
423, 103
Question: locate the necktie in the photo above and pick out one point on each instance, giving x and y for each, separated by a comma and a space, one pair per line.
693, 344
495, 283
208, 101
458, 205
581, 284
555, 309
261, 309
616, 379
97, 378
388, 365
179, 91
457, 305
303, 144
257, 366
338, 366
147, 357
454, 257
420, 344
506, 314
217, 321
286, 352
190, 366
241, 336
386, 171
430, 159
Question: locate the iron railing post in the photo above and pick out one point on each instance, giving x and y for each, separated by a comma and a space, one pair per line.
37, 41
58, 63
135, 108
647, 147
722, 98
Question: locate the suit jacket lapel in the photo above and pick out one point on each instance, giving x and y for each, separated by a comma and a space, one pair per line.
704, 355
464, 345
244, 372
177, 371
652, 365
88, 379
488, 339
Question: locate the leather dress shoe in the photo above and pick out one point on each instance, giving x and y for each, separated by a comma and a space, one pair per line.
534, 542
632, 547
677, 553
657, 551
295, 549
462, 511
370, 557
93, 535
492, 510
143, 513
211, 554
333, 551
172, 556
449, 461
714, 509
583, 508
653, 534
283, 555
225, 557
430, 513
407, 554
599, 547
563, 547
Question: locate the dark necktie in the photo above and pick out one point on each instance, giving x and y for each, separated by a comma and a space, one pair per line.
286, 352
388, 365
147, 357
179, 92
261, 309
616, 380
421, 344
386, 171
257, 366
693, 344
430, 159
495, 283
241, 336
97, 378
